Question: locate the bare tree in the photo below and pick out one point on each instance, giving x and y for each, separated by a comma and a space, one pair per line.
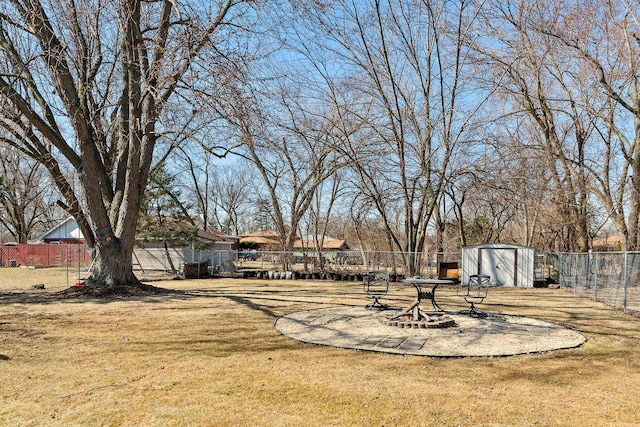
93, 85
320, 214
538, 90
294, 152
26, 196
604, 36
233, 193
403, 66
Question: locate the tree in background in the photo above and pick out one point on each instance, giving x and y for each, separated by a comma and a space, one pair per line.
404, 79
567, 93
164, 218
292, 144
27, 201
233, 193
604, 38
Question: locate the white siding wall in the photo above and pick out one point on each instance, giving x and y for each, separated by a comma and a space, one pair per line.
66, 230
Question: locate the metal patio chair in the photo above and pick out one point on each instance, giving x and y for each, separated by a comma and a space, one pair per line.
376, 285
474, 293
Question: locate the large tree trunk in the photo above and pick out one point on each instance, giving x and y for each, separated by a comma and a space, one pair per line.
112, 272
113, 266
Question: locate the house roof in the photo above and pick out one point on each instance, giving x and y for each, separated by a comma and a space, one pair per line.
265, 234
217, 235
271, 237
326, 244
211, 234
206, 235
67, 229
267, 237
259, 240
608, 241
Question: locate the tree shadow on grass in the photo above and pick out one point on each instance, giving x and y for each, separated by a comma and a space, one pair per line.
248, 303
262, 299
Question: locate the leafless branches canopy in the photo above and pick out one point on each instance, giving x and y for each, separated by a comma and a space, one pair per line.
443, 123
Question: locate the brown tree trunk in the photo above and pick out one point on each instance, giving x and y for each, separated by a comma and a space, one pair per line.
114, 266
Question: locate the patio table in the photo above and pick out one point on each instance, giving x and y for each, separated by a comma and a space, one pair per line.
418, 313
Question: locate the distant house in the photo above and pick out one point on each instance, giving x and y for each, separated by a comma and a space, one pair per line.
221, 241
270, 241
67, 232
607, 244
330, 250
154, 232
261, 240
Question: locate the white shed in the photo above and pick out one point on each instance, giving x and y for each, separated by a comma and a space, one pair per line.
65, 232
507, 265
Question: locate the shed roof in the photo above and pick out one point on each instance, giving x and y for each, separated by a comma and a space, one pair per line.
497, 246
67, 229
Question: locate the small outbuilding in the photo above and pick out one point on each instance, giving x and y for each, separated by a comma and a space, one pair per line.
65, 232
506, 264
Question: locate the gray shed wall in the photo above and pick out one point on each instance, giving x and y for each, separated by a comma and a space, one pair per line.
508, 265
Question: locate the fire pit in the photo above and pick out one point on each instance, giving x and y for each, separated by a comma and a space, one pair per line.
425, 321
414, 317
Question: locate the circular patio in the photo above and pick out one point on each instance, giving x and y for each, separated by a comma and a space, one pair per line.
361, 329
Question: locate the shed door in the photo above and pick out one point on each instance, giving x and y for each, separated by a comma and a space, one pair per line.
500, 264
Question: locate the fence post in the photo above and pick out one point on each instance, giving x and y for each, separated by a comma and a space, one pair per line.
595, 279
575, 277
67, 262
624, 302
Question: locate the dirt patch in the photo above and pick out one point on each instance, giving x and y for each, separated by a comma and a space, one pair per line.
82, 290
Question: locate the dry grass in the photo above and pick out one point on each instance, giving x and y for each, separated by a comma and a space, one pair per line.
212, 357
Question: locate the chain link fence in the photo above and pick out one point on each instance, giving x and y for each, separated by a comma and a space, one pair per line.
300, 264
609, 277
44, 255
356, 262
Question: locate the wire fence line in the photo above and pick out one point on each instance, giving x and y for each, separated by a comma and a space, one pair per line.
398, 264
609, 277
175, 259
